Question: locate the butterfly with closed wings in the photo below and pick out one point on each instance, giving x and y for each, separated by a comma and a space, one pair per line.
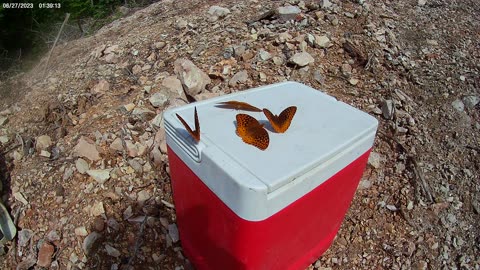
194, 133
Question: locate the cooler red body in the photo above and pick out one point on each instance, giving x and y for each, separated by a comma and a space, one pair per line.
215, 238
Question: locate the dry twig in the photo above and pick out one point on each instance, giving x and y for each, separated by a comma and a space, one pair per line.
55, 43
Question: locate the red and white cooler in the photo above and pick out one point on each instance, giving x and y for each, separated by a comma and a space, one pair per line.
239, 207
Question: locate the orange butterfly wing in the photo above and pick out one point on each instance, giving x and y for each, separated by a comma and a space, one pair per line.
252, 132
282, 122
194, 133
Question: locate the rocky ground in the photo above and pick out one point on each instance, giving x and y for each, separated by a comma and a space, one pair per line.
83, 153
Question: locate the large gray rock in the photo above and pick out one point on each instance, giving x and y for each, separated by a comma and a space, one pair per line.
173, 85
193, 79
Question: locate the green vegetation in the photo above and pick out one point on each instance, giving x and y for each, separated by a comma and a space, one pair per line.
26, 33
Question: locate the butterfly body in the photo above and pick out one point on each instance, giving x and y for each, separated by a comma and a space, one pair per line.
194, 133
281, 122
252, 132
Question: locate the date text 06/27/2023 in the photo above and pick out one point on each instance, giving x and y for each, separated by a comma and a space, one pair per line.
30, 5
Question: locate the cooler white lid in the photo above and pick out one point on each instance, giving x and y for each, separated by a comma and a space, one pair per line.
325, 136
321, 128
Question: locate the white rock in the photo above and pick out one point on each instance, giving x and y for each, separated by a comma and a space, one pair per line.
43, 142
193, 79
4, 139
365, 184
458, 105
157, 120
391, 207
111, 49
471, 101
410, 205
262, 76
375, 160
101, 176
421, 3
288, 13
112, 251
353, 81
19, 197
239, 77
181, 24
264, 55
45, 153
173, 232
81, 231
322, 42
310, 39
158, 100
302, 59
218, 11
278, 60
82, 165
325, 4
97, 209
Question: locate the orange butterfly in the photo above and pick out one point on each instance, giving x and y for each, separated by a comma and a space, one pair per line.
238, 105
281, 122
252, 132
194, 133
